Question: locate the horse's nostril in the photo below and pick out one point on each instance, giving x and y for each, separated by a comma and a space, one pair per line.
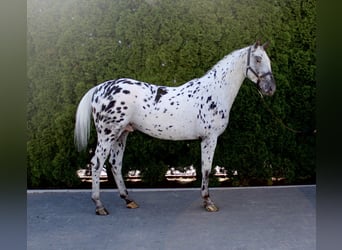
272, 90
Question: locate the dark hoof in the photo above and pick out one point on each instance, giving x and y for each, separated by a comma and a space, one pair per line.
101, 211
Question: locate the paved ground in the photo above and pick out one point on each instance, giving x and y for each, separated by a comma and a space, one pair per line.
249, 218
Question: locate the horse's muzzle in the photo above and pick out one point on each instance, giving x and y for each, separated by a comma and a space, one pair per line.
267, 85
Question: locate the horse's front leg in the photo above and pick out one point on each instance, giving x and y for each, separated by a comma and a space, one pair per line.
208, 146
115, 160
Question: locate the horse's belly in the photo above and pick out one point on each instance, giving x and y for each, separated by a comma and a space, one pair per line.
167, 127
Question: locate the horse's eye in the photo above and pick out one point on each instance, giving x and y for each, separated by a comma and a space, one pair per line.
258, 59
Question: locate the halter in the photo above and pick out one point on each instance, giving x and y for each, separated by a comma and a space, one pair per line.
253, 71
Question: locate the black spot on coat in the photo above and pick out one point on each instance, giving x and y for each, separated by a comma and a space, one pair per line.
110, 105
107, 131
212, 106
160, 92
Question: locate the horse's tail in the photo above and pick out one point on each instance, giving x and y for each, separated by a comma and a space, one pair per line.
82, 124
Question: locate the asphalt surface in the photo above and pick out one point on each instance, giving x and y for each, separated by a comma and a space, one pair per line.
249, 218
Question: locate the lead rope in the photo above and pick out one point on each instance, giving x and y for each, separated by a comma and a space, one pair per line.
280, 121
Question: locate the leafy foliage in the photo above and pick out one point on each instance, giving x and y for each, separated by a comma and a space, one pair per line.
74, 45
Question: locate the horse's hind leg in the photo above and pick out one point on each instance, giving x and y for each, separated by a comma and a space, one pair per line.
207, 150
116, 156
97, 162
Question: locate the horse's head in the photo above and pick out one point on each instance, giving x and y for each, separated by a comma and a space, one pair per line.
259, 68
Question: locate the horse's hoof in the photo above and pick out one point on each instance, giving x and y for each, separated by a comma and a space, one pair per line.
211, 208
101, 211
132, 204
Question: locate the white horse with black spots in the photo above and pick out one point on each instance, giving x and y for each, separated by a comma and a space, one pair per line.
198, 109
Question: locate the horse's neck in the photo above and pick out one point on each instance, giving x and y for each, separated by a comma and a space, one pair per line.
226, 77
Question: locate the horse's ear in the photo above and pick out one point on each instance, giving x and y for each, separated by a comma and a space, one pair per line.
266, 45
257, 44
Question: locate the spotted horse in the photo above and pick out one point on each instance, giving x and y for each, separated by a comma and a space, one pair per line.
198, 109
